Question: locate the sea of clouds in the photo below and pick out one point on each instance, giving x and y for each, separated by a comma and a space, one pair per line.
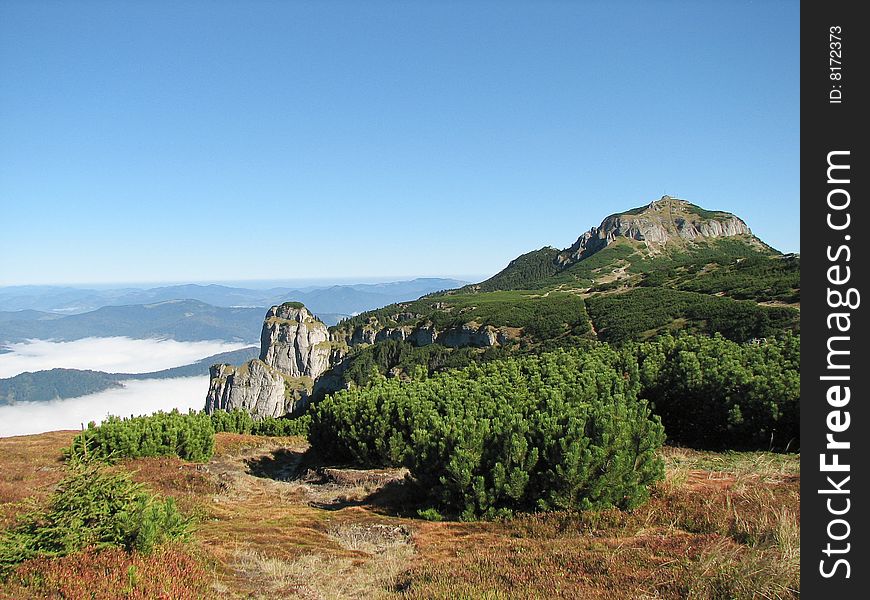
138, 397
114, 355
111, 354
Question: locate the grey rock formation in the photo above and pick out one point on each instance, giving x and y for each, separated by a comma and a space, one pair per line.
256, 387
483, 336
469, 334
295, 342
657, 224
294, 351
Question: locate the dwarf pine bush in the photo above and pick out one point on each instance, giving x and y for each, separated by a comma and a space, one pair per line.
93, 507
714, 393
189, 436
241, 421
562, 430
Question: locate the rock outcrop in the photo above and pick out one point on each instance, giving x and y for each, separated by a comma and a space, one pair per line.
661, 222
468, 334
294, 351
257, 388
294, 341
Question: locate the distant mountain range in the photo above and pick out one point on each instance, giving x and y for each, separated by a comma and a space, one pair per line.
338, 300
56, 384
182, 320
184, 312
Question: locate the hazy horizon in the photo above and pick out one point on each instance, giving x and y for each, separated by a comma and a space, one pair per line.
110, 354
257, 284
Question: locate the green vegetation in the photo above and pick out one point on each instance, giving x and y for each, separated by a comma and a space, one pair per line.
403, 358
189, 436
541, 317
560, 430
524, 272
582, 273
713, 393
93, 507
723, 251
758, 278
241, 421
708, 214
643, 312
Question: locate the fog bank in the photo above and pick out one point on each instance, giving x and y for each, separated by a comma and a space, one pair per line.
112, 354
136, 397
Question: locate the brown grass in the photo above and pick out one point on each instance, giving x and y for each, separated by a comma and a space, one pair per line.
722, 525
169, 573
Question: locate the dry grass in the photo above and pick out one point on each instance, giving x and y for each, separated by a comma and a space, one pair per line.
30, 466
722, 525
382, 554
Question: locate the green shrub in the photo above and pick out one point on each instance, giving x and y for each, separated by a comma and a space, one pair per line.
713, 393
93, 507
241, 421
539, 316
631, 315
561, 430
189, 436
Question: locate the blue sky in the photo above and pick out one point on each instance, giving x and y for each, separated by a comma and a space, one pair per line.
208, 141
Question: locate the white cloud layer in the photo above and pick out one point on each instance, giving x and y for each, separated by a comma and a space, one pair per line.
111, 354
140, 397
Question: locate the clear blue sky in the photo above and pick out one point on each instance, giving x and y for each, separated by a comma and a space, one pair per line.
193, 141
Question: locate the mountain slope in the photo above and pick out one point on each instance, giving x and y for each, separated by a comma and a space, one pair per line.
667, 265
665, 230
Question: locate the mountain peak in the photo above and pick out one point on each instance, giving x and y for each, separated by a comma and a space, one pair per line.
666, 221
666, 226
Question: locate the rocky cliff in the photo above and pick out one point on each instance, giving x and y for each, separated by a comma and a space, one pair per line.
256, 387
294, 351
662, 222
423, 334
294, 341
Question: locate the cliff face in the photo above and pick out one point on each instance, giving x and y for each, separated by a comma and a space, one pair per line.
294, 351
295, 342
256, 387
665, 221
469, 334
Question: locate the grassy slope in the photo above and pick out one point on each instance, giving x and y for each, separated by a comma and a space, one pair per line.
723, 521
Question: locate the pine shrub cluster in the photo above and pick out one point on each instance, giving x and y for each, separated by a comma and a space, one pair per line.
561, 430
189, 436
713, 393
241, 421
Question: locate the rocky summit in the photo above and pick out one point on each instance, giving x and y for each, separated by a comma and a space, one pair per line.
294, 341
664, 221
